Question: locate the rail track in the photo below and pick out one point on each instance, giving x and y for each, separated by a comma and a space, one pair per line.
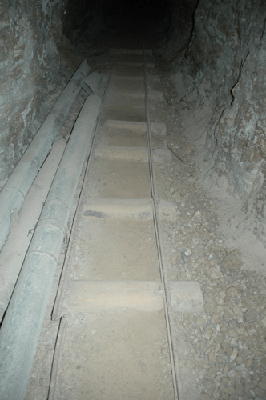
114, 339
109, 329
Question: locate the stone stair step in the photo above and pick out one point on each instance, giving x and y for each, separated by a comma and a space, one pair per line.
152, 94
150, 77
91, 295
157, 128
122, 153
146, 296
119, 208
135, 64
132, 154
186, 297
130, 51
121, 137
128, 208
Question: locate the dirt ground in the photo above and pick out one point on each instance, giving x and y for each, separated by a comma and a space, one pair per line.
222, 352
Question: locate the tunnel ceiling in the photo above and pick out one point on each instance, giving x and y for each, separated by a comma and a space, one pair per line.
148, 10
86, 16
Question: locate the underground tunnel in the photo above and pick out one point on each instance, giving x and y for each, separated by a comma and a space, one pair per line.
132, 192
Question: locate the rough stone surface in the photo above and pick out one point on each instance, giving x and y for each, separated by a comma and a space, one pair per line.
221, 351
80, 21
30, 33
176, 34
220, 87
215, 126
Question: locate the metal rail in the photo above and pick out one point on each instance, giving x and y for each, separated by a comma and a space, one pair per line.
56, 311
158, 237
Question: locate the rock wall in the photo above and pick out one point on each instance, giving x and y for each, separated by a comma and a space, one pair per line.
180, 24
81, 19
221, 89
30, 32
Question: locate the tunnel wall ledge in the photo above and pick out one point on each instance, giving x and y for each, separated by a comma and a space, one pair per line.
23, 321
220, 87
19, 183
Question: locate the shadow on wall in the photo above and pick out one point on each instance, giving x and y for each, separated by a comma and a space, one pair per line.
29, 35
119, 13
221, 90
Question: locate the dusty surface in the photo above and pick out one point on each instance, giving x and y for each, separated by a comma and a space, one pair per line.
129, 250
128, 371
221, 352
112, 338
220, 87
218, 235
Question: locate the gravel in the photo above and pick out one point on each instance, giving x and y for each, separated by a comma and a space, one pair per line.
222, 352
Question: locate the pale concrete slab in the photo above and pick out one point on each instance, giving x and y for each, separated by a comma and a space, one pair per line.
86, 295
167, 211
119, 208
119, 179
114, 249
150, 77
157, 128
113, 355
162, 156
139, 154
130, 51
139, 94
121, 137
186, 297
135, 64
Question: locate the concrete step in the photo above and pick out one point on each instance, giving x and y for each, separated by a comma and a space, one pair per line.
152, 94
121, 137
132, 154
157, 128
130, 51
135, 64
128, 208
87, 295
167, 211
91, 295
150, 77
186, 297
119, 208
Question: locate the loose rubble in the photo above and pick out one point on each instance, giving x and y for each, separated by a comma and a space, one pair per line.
222, 353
